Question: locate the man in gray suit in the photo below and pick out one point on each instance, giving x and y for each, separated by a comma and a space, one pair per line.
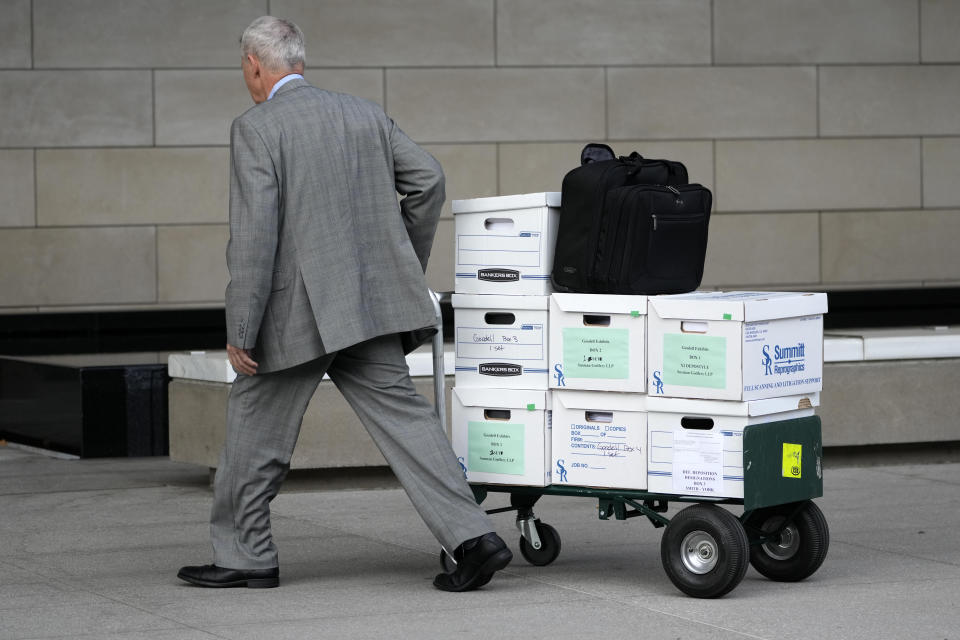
326, 272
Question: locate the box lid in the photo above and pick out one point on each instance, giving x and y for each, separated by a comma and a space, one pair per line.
600, 400
743, 306
507, 203
502, 398
762, 407
600, 303
487, 301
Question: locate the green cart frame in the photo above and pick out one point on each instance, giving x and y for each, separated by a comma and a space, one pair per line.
705, 549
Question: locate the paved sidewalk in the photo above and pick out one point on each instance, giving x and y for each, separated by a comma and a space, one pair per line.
90, 549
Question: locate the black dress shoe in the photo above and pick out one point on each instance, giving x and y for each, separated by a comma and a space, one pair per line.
477, 560
210, 575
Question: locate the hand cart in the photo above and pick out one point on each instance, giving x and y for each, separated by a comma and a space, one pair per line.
705, 549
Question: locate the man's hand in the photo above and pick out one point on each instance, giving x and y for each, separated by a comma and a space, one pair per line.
241, 361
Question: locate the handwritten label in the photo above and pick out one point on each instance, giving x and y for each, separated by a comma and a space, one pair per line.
596, 353
697, 463
495, 447
694, 360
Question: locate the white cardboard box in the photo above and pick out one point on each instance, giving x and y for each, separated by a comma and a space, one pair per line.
739, 345
599, 439
696, 446
502, 436
597, 342
501, 341
504, 245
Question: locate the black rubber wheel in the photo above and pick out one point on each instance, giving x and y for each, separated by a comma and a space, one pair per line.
800, 548
705, 551
549, 546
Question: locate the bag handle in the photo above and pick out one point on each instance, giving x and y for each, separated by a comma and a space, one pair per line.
596, 152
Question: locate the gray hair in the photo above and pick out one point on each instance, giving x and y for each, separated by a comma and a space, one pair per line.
276, 42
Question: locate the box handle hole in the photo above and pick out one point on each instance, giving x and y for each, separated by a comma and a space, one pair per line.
598, 416
499, 317
496, 414
596, 321
498, 224
703, 424
690, 326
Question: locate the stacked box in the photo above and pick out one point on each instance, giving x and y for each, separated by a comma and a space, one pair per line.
502, 437
501, 407
696, 446
597, 342
740, 345
599, 439
717, 363
501, 341
504, 245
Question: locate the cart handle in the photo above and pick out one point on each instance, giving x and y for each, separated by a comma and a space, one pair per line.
439, 375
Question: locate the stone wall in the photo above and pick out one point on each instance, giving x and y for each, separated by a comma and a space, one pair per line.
829, 130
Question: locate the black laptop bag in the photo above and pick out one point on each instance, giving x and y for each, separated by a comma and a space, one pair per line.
653, 240
585, 190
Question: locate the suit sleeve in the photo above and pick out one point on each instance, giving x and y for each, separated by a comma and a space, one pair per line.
254, 214
419, 179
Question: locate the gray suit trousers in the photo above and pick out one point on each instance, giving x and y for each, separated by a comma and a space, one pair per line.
264, 414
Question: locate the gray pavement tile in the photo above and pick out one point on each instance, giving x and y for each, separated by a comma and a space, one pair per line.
321, 598
799, 611
72, 620
45, 594
172, 634
473, 618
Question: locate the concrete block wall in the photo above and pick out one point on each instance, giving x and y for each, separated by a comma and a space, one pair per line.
828, 129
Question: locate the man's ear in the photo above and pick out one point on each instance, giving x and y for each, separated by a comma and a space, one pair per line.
254, 64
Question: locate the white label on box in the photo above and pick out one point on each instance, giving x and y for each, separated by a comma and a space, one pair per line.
697, 463
521, 250
509, 343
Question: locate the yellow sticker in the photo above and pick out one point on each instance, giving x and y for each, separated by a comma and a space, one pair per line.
792, 460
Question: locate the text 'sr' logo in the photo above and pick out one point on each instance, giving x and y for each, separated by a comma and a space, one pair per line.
767, 361
657, 383
498, 275
561, 470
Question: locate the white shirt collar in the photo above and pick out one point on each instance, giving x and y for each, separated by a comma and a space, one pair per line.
282, 81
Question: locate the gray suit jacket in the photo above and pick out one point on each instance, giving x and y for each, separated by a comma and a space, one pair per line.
321, 255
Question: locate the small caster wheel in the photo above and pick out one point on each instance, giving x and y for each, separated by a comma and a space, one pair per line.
705, 551
549, 546
799, 548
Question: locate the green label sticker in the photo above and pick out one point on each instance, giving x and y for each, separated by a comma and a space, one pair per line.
596, 353
692, 360
531, 407
495, 447
634, 314
727, 316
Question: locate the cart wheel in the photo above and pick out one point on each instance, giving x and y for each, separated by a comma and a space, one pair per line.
801, 547
705, 551
449, 565
549, 546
